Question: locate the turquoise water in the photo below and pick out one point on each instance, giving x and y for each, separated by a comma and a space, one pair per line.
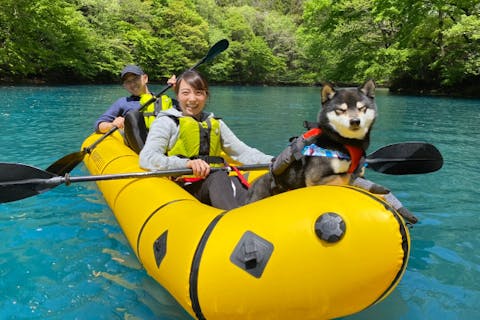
63, 255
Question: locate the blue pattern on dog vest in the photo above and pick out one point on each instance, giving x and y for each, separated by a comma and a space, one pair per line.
315, 151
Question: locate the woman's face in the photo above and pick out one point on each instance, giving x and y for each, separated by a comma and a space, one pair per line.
192, 101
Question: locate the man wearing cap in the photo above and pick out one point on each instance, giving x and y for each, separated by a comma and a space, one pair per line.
135, 82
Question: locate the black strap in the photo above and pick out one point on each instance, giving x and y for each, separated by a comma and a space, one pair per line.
210, 159
157, 108
194, 270
205, 138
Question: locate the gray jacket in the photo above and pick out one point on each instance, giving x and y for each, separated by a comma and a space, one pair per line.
163, 135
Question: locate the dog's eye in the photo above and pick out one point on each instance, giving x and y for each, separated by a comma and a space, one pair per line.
340, 111
363, 109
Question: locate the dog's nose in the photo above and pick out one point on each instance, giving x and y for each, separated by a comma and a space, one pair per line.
355, 122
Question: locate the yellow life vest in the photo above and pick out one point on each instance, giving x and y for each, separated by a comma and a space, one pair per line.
197, 138
152, 110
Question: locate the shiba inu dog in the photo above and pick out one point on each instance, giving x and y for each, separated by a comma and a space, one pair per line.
332, 152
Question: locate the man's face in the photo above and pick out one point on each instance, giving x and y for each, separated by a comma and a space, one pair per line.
135, 84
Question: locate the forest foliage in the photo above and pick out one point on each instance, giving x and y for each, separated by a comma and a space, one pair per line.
404, 44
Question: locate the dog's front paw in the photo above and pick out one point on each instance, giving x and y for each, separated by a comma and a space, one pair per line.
378, 189
407, 215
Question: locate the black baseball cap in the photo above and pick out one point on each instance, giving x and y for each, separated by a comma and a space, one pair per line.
131, 68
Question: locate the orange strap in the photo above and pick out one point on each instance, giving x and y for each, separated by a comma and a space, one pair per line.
189, 179
241, 177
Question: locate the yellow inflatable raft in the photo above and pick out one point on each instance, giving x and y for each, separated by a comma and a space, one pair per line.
313, 253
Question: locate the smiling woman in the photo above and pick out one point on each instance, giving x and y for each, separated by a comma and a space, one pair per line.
192, 93
192, 138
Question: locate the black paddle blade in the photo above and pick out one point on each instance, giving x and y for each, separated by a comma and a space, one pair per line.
406, 158
217, 48
214, 51
19, 181
67, 163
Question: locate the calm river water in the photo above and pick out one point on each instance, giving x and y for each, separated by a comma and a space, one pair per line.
63, 255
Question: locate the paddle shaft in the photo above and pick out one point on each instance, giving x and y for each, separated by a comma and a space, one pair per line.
93, 145
67, 179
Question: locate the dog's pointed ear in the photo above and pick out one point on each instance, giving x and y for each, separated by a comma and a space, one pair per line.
327, 92
368, 88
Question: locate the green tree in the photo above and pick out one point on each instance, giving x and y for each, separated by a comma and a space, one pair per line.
46, 38
249, 57
440, 38
342, 39
126, 33
185, 34
460, 62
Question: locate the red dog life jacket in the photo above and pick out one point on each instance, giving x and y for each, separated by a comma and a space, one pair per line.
356, 153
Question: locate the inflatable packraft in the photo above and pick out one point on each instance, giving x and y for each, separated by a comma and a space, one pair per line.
313, 253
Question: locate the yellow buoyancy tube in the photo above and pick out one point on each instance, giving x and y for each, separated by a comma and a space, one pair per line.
313, 253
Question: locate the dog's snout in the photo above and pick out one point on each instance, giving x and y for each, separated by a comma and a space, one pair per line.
355, 122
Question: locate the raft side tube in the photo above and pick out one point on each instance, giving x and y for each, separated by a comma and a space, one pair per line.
182, 224
305, 277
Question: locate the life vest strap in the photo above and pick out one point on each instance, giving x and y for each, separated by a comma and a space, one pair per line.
189, 179
241, 177
210, 159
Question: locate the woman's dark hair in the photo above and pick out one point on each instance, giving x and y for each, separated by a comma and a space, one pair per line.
194, 79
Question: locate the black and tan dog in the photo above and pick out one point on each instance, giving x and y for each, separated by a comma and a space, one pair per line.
332, 152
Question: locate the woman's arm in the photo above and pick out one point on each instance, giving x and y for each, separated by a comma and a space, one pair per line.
238, 150
162, 135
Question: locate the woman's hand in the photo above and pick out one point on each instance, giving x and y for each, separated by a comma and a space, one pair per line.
199, 167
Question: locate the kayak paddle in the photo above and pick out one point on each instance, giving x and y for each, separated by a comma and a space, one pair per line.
70, 161
405, 158
19, 181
